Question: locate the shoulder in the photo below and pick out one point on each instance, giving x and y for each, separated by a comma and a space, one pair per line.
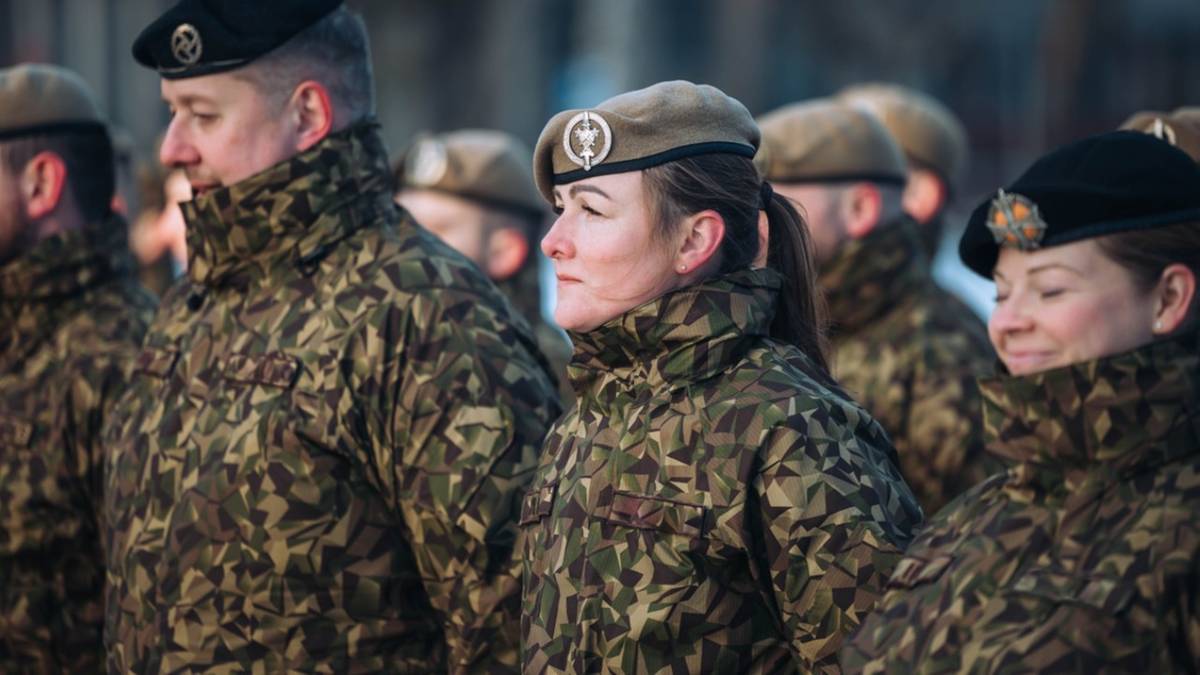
109, 324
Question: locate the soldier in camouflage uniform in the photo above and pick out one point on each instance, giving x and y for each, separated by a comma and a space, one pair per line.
320, 458
713, 503
1084, 557
934, 143
72, 317
903, 347
473, 189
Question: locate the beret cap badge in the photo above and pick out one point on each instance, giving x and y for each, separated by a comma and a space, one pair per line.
427, 163
583, 133
1015, 222
186, 45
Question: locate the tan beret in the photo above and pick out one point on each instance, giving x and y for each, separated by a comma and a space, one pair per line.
824, 141
927, 131
1180, 128
40, 98
664, 122
488, 166
1190, 113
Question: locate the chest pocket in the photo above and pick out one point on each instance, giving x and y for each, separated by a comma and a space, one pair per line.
645, 512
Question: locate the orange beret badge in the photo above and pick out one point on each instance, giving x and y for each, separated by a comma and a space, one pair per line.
1015, 222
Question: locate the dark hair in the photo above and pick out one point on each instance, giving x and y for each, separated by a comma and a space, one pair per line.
334, 51
1146, 253
88, 156
730, 185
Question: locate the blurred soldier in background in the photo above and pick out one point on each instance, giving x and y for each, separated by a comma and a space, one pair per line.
902, 346
71, 319
473, 188
158, 234
319, 461
934, 143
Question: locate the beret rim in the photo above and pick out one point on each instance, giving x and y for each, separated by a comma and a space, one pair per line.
977, 254
53, 127
670, 155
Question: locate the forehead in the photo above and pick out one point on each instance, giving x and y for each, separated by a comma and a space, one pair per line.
1082, 256
220, 88
627, 185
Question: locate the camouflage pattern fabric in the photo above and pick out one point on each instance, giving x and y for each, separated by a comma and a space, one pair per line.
706, 507
1084, 557
910, 352
525, 292
71, 320
323, 450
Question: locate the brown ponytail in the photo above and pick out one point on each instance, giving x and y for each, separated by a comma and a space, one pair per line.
730, 185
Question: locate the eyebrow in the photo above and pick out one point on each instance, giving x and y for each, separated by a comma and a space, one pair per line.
576, 189
189, 99
996, 274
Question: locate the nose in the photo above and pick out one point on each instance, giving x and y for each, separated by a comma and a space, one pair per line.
177, 150
557, 242
1010, 317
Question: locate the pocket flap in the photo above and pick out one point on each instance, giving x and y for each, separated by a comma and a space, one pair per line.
156, 362
912, 572
1107, 594
655, 513
275, 370
537, 503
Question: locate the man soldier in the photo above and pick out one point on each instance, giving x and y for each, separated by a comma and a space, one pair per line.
71, 319
320, 457
1180, 128
902, 346
473, 188
934, 143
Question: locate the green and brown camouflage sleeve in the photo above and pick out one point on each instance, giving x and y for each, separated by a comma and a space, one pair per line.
471, 410
826, 555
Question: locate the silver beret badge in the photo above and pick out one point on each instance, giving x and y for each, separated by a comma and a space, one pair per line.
583, 134
186, 44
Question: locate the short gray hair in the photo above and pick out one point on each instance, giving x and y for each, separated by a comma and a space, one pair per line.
335, 52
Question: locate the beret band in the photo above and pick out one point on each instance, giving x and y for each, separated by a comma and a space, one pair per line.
674, 154
53, 128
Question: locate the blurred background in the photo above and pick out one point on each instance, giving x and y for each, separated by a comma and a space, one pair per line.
1024, 75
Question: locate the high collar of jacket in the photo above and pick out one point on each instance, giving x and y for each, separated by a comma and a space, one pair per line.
868, 276
66, 264
683, 336
291, 211
1119, 413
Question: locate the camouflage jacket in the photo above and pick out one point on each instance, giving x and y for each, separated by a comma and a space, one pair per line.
1084, 557
910, 353
322, 452
71, 320
706, 507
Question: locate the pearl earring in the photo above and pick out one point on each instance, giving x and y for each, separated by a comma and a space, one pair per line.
683, 268
1158, 325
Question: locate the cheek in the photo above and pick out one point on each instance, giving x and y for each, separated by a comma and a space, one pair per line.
618, 262
1098, 326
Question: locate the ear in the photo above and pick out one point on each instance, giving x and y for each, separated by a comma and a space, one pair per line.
702, 234
313, 113
924, 195
764, 240
42, 184
507, 250
861, 207
1173, 298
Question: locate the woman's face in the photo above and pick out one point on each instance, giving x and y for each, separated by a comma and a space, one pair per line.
606, 257
1066, 304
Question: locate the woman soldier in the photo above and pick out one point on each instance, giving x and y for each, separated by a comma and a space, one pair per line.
713, 503
1084, 556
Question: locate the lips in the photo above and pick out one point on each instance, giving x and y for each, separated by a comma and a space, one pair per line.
566, 278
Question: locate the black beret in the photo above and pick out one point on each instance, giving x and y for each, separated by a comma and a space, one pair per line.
1114, 182
201, 37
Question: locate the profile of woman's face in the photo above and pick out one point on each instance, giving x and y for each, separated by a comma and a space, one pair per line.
1066, 304
607, 259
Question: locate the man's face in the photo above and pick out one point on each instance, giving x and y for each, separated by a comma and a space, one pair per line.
821, 207
15, 227
460, 223
223, 130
